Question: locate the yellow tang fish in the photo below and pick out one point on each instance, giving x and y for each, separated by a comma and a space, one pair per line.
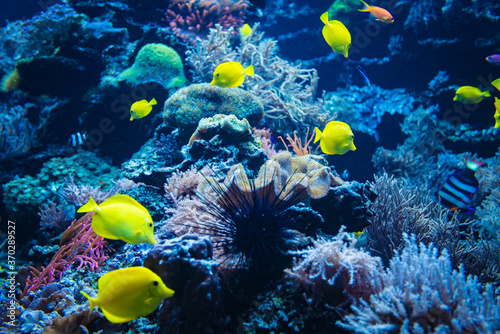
127, 294
121, 217
496, 83
245, 30
497, 113
141, 108
336, 35
230, 74
336, 138
470, 95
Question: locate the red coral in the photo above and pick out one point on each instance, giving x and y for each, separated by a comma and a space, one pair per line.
189, 19
79, 244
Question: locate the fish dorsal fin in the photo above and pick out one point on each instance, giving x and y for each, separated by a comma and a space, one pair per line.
324, 18
123, 199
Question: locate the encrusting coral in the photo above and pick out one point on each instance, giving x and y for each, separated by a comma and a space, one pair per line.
228, 127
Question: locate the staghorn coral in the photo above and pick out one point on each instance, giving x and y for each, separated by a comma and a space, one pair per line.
287, 92
421, 293
335, 271
193, 18
186, 107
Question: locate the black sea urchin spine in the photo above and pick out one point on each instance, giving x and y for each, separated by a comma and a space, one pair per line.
252, 227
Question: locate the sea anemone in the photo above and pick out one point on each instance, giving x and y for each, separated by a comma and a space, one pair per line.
251, 225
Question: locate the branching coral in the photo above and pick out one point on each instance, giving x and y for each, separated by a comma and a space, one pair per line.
334, 271
286, 91
192, 18
421, 293
79, 245
401, 209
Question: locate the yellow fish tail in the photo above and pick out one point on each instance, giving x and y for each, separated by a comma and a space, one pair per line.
496, 84
486, 93
367, 7
324, 18
319, 135
90, 206
248, 71
92, 301
152, 102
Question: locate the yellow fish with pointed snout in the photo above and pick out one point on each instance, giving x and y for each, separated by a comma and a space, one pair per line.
336, 35
231, 74
470, 95
141, 108
127, 294
121, 217
336, 138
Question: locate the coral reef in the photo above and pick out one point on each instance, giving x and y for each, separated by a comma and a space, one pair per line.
421, 293
193, 18
185, 264
287, 92
156, 63
16, 132
189, 105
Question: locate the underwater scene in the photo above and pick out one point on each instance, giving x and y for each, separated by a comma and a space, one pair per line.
249, 166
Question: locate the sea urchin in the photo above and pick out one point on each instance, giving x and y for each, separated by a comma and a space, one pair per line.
252, 226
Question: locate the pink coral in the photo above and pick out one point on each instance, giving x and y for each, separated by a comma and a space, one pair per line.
189, 19
79, 245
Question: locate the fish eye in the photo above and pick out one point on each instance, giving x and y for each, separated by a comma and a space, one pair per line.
155, 283
217, 74
150, 224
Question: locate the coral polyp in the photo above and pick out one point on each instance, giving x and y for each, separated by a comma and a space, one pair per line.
251, 224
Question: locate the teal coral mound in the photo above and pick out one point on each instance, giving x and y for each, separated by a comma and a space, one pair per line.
24, 197
189, 105
156, 63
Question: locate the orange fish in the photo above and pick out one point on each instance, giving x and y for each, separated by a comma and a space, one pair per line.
381, 14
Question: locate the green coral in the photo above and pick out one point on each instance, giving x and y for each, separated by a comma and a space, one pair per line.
24, 197
156, 63
189, 105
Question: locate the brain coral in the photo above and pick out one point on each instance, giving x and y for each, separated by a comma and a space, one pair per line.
189, 105
156, 63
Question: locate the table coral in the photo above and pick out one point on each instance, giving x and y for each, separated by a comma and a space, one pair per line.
186, 107
156, 62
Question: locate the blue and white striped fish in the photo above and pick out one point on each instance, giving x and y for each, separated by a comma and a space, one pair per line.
77, 139
458, 189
